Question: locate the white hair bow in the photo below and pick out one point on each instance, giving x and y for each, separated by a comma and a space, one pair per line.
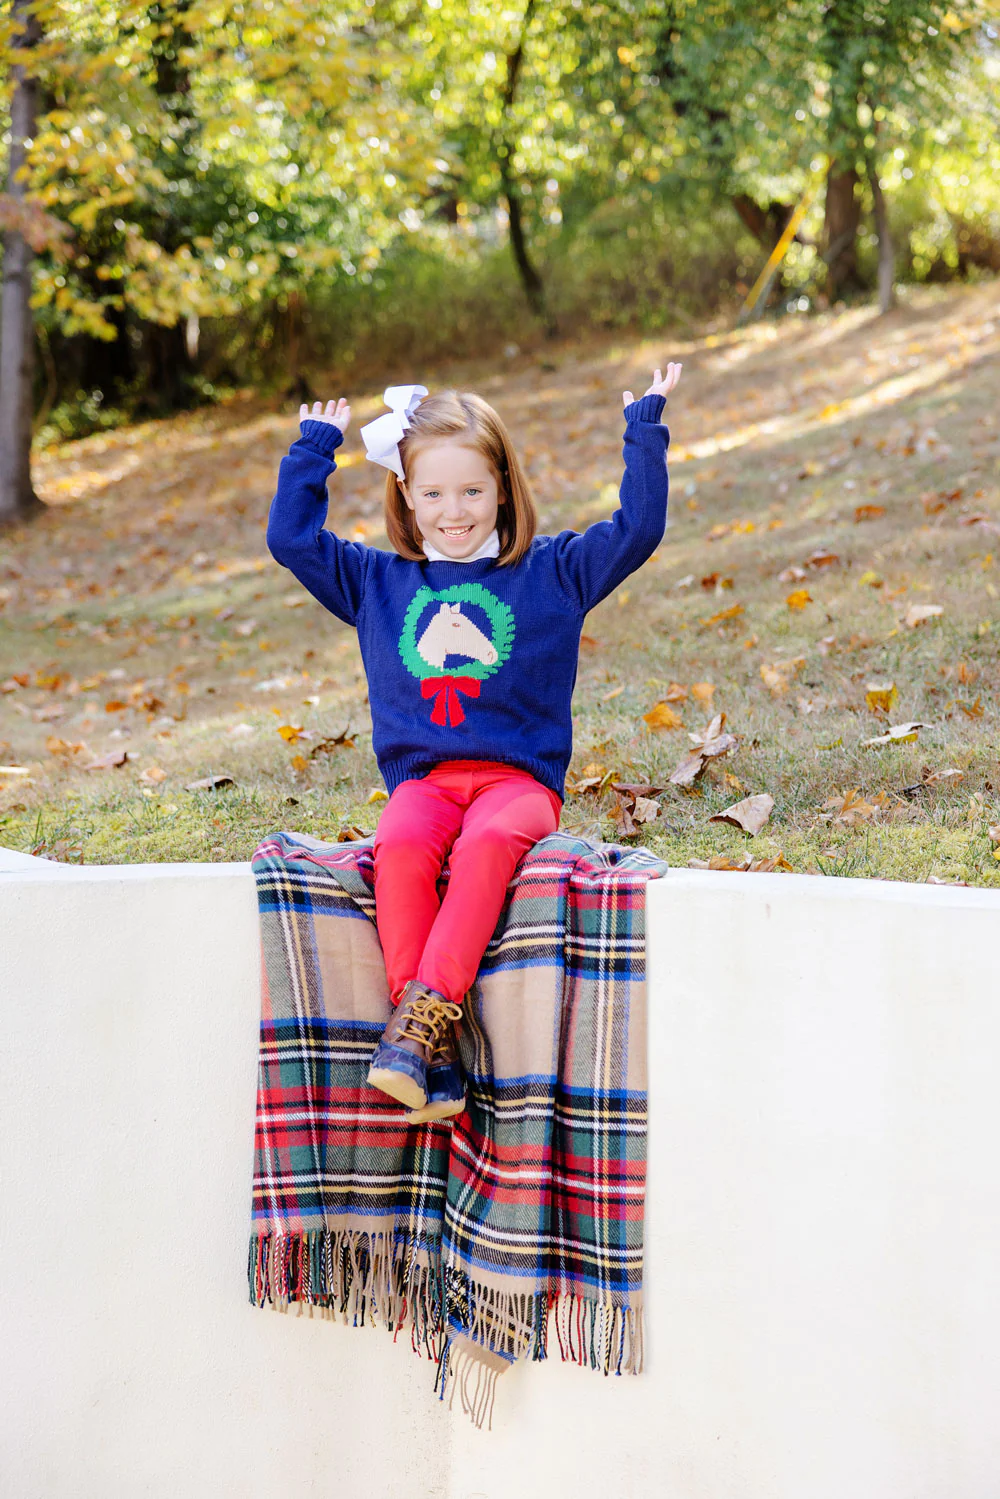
381, 437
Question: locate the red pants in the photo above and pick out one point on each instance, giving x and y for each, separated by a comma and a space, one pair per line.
486, 816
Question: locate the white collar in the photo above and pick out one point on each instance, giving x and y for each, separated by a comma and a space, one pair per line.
489, 548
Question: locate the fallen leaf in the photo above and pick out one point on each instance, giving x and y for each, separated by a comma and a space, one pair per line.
63, 749
900, 733
850, 807
747, 865
821, 557
327, 746
290, 732
675, 693
377, 794
827, 645
109, 762
299, 763
240, 730
645, 809
799, 598
703, 692
15, 770
662, 716
730, 613
793, 574
777, 676
993, 833
615, 692
870, 579
246, 628
351, 834
750, 814
115, 706
971, 710
49, 714
710, 745
868, 512
589, 643
210, 783
152, 775
919, 614
880, 696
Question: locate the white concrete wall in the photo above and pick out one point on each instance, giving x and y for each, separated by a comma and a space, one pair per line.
823, 1216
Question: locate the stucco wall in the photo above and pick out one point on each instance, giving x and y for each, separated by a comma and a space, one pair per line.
823, 1216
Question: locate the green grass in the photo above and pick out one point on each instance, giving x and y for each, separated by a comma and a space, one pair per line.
147, 585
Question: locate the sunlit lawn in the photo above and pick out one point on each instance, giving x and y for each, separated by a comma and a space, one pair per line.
143, 615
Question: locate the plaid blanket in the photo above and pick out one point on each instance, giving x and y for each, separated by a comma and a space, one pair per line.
468, 1232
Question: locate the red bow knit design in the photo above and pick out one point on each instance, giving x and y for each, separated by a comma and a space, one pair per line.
444, 690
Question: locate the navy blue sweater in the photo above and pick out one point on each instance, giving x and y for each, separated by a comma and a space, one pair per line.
470, 660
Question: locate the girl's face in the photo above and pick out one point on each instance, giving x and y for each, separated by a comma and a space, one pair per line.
454, 496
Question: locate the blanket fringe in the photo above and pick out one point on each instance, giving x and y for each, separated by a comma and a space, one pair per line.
397, 1281
351, 1277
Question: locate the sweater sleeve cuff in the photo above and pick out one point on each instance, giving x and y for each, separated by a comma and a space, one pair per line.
322, 437
646, 409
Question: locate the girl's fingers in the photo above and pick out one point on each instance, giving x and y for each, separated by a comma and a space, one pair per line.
303, 412
627, 398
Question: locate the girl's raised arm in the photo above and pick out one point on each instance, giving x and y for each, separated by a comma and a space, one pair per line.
332, 569
592, 564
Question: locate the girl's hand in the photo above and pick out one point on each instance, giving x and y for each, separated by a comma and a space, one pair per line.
336, 413
662, 384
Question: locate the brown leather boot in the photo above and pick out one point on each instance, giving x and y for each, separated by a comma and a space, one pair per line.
399, 1066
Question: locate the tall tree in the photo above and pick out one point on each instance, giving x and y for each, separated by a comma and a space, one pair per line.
17, 340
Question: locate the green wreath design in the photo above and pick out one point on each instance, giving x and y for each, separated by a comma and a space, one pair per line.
501, 620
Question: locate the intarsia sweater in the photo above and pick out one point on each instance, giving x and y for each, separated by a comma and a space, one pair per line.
470, 661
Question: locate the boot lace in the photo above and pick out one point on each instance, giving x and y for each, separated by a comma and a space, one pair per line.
426, 1017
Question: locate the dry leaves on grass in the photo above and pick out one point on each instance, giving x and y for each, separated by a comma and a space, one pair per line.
210, 783
592, 777
778, 675
703, 692
899, 733
847, 808
733, 612
351, 834
711, 745
821, 557
919, 614
64, 749
747, 865
880, 696
662, 716
799, 598
867, 512
634, 805
326, 746
750, 814
993, 834
109, 762
153, 775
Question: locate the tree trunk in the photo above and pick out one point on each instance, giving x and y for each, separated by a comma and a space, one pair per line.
534, 288
886, 250
17, 343
842, 218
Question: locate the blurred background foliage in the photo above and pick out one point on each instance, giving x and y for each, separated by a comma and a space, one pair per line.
286, 194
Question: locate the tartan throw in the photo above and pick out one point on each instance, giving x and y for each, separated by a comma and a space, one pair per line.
469, 1232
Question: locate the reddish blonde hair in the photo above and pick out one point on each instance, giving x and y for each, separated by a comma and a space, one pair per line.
460, 414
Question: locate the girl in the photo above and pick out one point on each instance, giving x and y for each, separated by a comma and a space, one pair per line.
470, 632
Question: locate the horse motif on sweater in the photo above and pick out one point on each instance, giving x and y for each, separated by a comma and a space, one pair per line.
451, 634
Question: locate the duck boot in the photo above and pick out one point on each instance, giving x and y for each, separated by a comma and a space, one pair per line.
402, 1057
445, 1083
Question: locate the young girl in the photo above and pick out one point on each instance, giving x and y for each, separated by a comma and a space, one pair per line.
470, 632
